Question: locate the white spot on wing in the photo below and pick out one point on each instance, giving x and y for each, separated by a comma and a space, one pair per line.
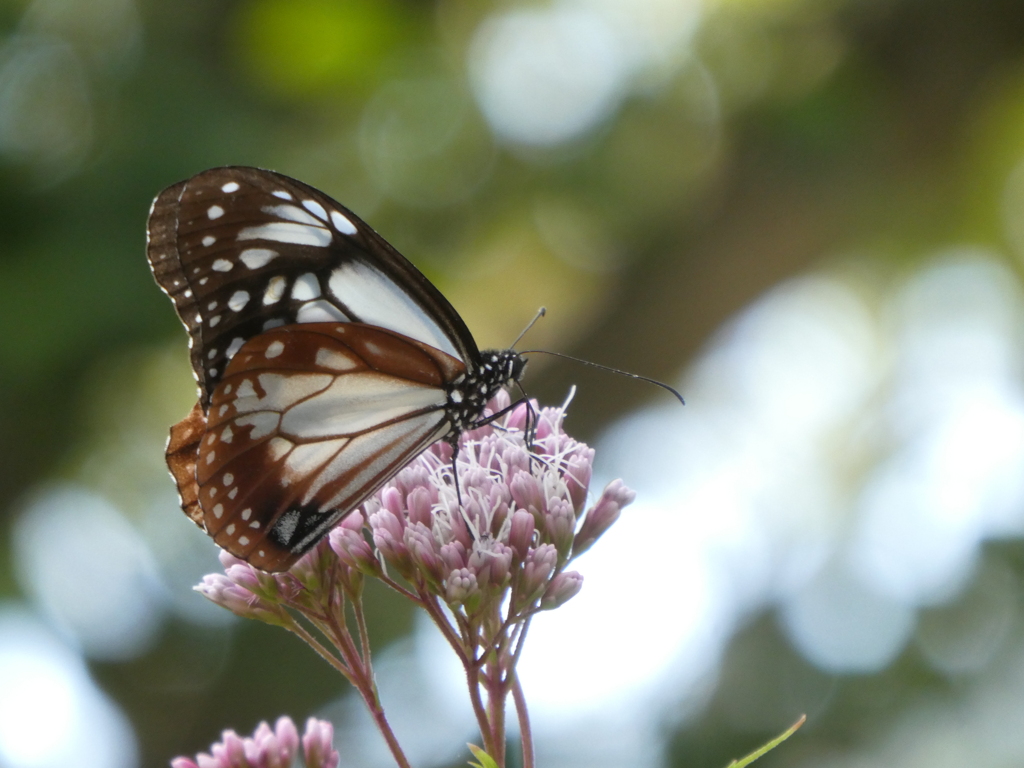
275, 290
238, 300
282, 194
214, 211
306, 287
254, 258
292, 213
274, 349
233, 347
231, 186
214, 320
334, 360
342, 223
209, 240
262, 422
288, 232
281, 392
279, 447
315, 208
222, 265
320, 311
375, 299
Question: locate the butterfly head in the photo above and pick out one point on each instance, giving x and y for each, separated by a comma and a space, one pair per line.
507, 365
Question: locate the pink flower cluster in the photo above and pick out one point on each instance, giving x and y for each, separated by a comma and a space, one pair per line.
268, 748
515, 522
512, 525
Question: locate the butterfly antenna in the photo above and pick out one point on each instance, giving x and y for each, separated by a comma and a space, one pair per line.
540, 313
608, 368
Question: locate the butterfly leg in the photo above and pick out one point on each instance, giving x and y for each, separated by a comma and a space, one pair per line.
454, 443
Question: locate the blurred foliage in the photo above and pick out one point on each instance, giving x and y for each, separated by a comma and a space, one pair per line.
792, 132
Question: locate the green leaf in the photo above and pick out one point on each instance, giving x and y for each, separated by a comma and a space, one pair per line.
761, 751
486, 761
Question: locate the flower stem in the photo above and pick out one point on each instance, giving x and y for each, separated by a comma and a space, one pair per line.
473, 681
525, 734
361, 677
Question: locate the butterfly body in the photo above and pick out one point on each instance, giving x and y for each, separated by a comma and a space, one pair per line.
325, 361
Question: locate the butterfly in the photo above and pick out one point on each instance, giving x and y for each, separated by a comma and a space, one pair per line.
325, 360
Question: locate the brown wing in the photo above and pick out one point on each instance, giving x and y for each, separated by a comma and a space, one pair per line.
308, 421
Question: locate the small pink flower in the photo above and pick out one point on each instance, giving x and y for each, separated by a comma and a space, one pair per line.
269, 748
562, 588
353, 549
602, 515
317, 746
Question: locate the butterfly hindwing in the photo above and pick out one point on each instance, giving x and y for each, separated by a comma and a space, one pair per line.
308, 421
242, 250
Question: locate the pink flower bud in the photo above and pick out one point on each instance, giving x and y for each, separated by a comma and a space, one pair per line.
490, 561
420, 504
461, 587
602, 515
528, 493
501, 564
353, 521
389, 538
317, 745
391, 500
454, 555
562, 588
540, 564
578, 470
221, 590
420, 543
232, 750
560, 525
520, 535
354, 550
517, 418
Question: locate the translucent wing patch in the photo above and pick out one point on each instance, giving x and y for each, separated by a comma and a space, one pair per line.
307, 421
242, 250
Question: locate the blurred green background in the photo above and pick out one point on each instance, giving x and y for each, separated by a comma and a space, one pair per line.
728, 195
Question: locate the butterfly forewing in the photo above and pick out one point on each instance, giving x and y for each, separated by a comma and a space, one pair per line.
241, 251
307, 421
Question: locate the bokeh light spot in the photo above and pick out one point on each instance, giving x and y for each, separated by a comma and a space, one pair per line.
543, 77
89, 571
51, 713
